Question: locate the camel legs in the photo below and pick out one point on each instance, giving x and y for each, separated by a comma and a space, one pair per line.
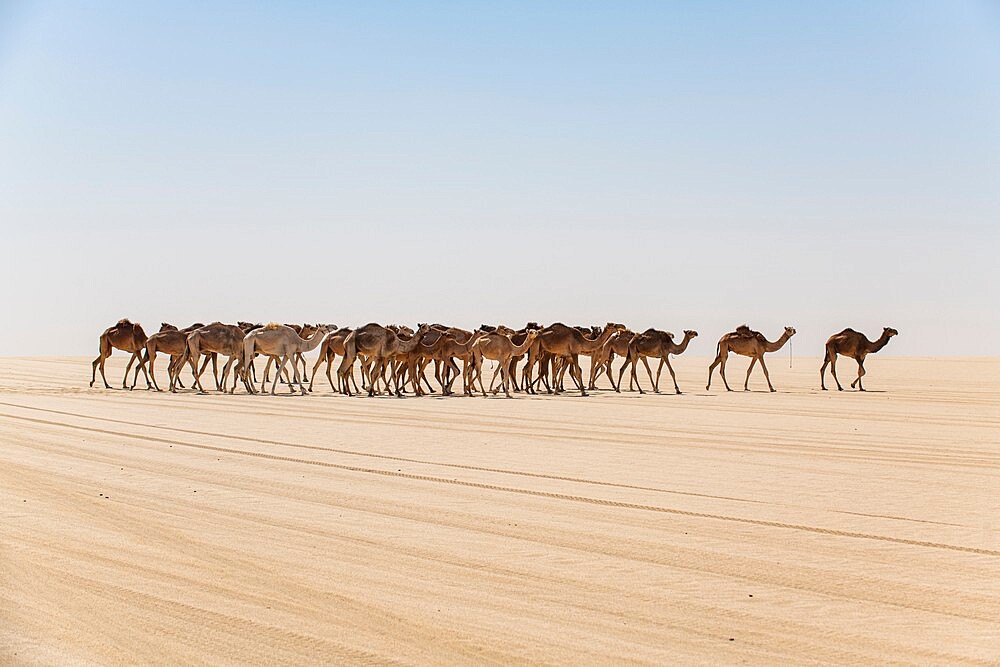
631, 359
131, 360
753, 362
152, 358
673, 376
93, 375
831, 359
720, 361
319, 362
767, 377
645, 362
277, 373
344, 372
861, 372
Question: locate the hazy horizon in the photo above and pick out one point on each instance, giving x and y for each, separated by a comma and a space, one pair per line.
681, 166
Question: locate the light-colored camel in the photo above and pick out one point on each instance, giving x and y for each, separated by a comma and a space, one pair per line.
125, 336
559, 340
225, 339
500, 348
748, 343
168, 340
856, 345
658, 345
304, 331
284, 343
381, 345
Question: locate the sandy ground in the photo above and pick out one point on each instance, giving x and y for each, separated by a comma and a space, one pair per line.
799, 527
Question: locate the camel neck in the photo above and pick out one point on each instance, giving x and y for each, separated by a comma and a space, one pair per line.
879, 344
678, 349
778, 344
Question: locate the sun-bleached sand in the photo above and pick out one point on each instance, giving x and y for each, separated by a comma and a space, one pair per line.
799, 527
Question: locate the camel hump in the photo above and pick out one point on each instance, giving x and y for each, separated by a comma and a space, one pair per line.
848, 330
271, 326
124, 322
744, 330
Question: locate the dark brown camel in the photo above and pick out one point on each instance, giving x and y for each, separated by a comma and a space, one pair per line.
125, 336
854, 344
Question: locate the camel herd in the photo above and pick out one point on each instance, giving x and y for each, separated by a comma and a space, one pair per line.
393, 357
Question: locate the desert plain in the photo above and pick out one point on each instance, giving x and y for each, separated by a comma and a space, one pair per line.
800, 527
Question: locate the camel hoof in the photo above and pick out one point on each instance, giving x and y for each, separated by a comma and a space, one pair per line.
773, 390
823, 388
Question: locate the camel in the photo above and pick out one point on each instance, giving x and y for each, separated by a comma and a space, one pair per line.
854, 344
559, 340
380, 344
282, 341
220, 338
501, 348
452, 348
749, 343
657, 344
304, 331
600, 359
435, 346
329, 349
127, 337
169, 340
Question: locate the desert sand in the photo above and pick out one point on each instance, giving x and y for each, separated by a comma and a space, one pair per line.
799, 527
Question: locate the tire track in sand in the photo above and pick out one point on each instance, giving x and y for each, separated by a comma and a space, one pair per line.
528, 492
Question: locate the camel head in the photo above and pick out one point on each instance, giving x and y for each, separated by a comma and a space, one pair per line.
789, 331
889, 332
611, 326
532, 325
167, 327
505, 330
486, 328
690, 333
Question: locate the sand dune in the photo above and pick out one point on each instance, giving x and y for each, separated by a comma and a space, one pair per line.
789, 528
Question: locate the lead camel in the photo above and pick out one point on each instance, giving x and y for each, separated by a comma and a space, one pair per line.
855, 345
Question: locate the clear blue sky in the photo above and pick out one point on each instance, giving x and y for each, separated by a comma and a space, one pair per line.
679, 165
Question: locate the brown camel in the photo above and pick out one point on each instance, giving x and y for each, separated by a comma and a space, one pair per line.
284, 343
656, 344
451, 349
434, 346
380, 344
331, 347
127, 337
501, 348
559, 340
225, 339
749, 343
854, 344
600, 359
168, 340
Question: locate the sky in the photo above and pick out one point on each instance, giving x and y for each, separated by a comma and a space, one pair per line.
679, 165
